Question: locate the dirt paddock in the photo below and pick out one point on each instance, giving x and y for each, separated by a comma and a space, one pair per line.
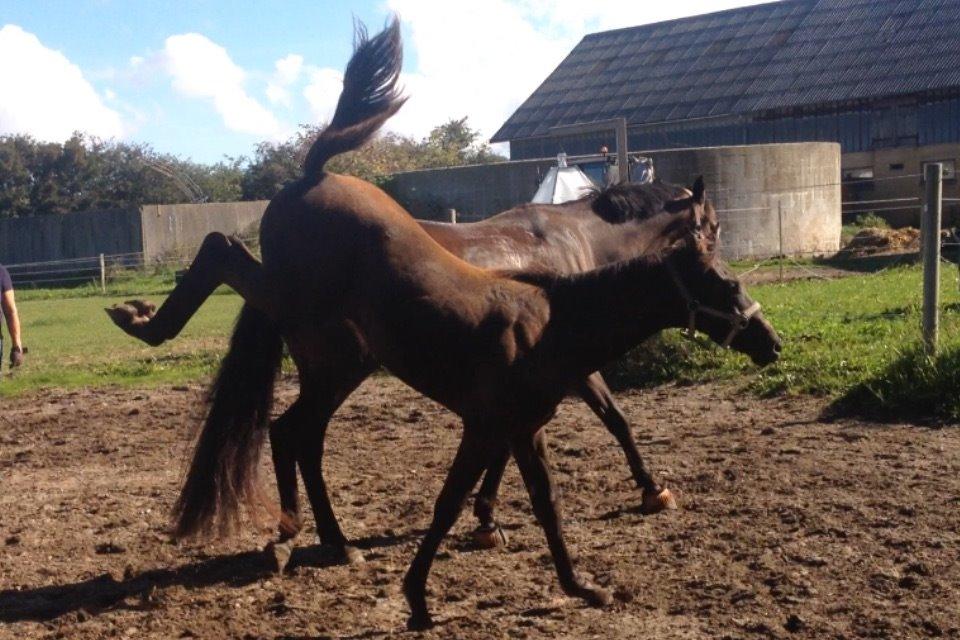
789, 526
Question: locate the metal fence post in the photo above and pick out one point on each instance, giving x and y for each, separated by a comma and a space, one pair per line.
103, 274
930, 237
452, 215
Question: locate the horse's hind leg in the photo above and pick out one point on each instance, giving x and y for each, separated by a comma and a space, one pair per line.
597, 395
332, 365
220, 260
283, 450
488, 533
530, 451
472, 456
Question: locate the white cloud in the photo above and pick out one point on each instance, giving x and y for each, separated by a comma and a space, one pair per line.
46, 95
322, 92
289, 68
484, 59
287, 72
200, 68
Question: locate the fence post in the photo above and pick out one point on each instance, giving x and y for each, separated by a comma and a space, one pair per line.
930, 239
452, 215
780, 231
103, 274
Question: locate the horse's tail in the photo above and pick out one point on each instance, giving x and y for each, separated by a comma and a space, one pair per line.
370, 96
223, 473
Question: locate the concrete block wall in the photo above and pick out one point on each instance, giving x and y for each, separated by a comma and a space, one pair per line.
178, 229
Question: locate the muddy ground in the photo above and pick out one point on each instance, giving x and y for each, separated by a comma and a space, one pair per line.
789, 526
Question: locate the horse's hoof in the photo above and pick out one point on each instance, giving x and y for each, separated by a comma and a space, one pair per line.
352, 555
419, 622
490, 537
341, 554
657, 502
597, 597
122, 315
279, 554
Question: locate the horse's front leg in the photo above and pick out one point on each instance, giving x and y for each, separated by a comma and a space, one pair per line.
472, 457
597, 395
220, 260
530, 452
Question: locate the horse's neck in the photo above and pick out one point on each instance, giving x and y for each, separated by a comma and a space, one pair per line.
556, 239
602, 314
611, 243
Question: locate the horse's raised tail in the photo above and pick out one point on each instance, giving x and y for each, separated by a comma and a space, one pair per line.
370, 96
223, 473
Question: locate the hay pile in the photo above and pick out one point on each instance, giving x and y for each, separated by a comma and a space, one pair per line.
874, 240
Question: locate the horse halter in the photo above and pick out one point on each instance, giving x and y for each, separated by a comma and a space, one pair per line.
738, 320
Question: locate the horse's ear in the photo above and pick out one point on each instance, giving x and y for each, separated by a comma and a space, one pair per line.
676, 206
699, 191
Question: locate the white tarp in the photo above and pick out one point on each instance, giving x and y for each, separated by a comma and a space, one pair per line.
563, 184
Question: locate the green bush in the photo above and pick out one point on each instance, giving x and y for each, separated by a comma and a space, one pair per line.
871, 219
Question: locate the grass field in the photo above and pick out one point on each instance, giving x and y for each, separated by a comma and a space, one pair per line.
838, 335
72, 343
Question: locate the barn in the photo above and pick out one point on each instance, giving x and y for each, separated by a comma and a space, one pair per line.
879, 77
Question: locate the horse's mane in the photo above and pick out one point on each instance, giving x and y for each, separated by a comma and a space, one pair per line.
621, 202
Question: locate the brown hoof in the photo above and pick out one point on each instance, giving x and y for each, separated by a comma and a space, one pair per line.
341, 555
591, 594
279, 554
420, 622
490, 537
352, 555
122, 315
655, 503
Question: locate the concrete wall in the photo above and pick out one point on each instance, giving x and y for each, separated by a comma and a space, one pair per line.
70, 236
155, 230
474, 191
752, 186
758, 178
178, 229
894, 168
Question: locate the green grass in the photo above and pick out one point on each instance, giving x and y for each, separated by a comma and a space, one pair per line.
854, 338
72, 343
854, 333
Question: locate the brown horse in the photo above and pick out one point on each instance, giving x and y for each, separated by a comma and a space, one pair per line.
604, 227
504, 350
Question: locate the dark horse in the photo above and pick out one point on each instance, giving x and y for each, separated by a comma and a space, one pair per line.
602, 228
504, 349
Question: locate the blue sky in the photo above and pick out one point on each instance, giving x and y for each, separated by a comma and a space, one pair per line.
209, 78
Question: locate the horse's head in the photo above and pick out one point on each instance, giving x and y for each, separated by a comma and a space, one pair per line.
713, 300
694, 210
651, 217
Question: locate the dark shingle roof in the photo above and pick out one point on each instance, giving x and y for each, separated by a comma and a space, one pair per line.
769, 56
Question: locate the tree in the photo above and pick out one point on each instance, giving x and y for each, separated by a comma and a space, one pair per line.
84, 173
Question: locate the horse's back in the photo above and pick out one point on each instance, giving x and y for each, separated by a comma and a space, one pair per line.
550, 238
326, 243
